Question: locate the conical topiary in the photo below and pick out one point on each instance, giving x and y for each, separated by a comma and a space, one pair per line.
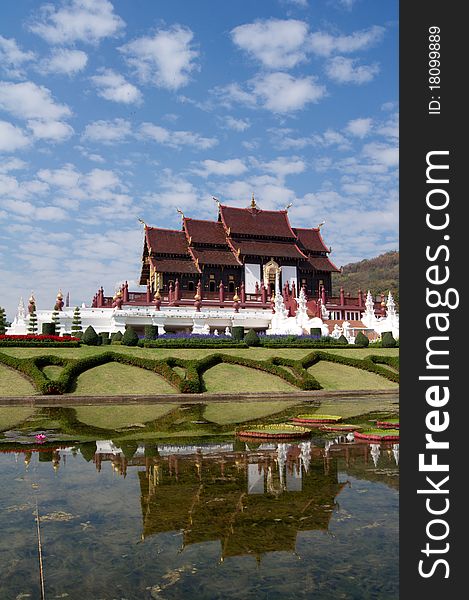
90, 337
342, 339
117, 336
56, 321
387, 340
361, 340
130, 338
252, 339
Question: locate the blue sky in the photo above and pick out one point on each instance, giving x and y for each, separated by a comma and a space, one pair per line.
111, 111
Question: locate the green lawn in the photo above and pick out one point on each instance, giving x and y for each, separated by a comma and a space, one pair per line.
121, 416
256, 353
13, 383
333, 376
113, 379
117, 379
234, 378
239, 412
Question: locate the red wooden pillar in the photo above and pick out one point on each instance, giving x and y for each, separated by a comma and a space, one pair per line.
342, 296
221, 293
323, 295
293, 290
360, 298
263, 294
148, 293
126, 292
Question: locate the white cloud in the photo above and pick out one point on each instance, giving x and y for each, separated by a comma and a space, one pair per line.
12, 138
12, 164
346, 70
63, 61
107, 132
50, 213
27, 100
12, 58
65, 178
56, 131
325, 44
233, 166
113, 86
276, 43
382, 154
72, 21
176, 139
302, 3
282, 93
165, 59
359, 127
283, 166
278, 92
236, 124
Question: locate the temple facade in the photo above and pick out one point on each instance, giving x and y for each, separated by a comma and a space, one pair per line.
241, 252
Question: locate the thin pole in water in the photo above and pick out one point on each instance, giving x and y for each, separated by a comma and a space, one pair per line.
39, 548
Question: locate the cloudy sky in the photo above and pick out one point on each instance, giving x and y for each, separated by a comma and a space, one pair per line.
113, 110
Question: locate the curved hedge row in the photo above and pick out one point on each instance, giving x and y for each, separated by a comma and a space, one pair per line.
294, 372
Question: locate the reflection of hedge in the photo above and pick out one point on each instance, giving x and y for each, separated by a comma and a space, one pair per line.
294, 372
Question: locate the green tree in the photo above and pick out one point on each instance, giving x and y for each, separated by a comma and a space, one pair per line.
252, 339
361, 339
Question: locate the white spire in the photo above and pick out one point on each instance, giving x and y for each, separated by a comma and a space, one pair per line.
395, 451
390, 306
375, 453
20, 313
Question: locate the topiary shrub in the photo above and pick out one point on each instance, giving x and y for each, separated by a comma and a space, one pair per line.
117, 336
151, 332
252, 339
48, 328
130, 337
361, 340
105, 340
76, 323
316, 332
387, 340
237, 333
342, 339
32, 325
3, 322
90, 337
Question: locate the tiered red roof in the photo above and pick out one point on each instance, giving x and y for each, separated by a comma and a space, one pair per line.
238, 233
253, 221
311, 239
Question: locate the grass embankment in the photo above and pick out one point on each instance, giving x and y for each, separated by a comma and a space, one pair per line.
120, 379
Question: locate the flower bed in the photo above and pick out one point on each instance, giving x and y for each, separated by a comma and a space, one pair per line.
340, 427
378, 435
388, 424
275, 431
316, 419
41, 340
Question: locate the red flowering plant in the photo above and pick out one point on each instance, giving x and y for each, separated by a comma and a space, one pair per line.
39, 338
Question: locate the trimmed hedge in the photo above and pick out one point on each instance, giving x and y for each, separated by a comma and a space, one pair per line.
342, 340
105, 340
117, 336
316, 332
48, 328
387, 340
90, 337
130, 337
251, 338
237, 333
192, 343
151, 332
294, 372
361, 340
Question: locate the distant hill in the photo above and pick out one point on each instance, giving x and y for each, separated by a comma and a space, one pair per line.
379, 275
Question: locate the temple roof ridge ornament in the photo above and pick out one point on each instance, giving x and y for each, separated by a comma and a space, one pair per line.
142, 222
289, 205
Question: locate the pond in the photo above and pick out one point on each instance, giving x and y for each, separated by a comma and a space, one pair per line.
134, 515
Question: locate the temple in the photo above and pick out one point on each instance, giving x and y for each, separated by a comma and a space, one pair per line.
243, 248
248, 268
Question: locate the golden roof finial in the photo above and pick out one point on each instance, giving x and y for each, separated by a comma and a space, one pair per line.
253, 201
59, 295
